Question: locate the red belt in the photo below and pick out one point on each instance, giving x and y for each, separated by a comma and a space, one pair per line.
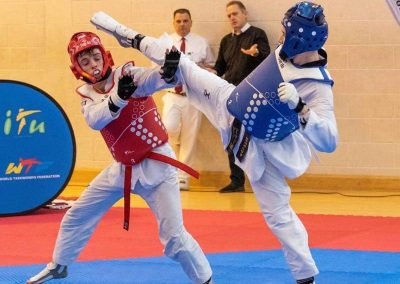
128, 179
127, 196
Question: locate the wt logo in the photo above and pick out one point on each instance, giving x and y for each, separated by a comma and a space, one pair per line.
23, 164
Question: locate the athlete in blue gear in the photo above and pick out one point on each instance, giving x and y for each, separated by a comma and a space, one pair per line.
271, 121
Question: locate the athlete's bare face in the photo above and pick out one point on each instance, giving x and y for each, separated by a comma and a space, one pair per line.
91, 62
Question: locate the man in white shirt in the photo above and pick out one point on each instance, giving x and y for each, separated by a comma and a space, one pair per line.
181, 119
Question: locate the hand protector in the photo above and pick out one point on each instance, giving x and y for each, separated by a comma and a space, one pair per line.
126, 87
288, 94
171, 64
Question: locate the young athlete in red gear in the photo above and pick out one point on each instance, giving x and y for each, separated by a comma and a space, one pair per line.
144, 162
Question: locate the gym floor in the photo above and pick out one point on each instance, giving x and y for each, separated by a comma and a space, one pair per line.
384, 204
354, 239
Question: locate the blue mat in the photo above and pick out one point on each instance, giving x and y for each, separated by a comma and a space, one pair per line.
261, 267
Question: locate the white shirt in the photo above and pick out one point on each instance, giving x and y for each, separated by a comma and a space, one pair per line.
196, 48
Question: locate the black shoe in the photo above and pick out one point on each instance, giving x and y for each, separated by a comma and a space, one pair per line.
209, 281
232, 188
306, 281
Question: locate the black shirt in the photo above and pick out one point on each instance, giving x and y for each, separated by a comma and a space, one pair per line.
232, 62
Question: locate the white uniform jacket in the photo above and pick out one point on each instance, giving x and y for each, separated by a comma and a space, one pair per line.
291, 155
97, 115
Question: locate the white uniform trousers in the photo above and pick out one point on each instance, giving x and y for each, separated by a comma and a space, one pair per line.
209, 94
163, 199
182, 122
271, 189
273, 196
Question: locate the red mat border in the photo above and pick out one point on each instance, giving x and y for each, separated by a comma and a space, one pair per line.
30, 239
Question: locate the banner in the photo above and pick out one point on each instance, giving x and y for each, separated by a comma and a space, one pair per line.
37, 148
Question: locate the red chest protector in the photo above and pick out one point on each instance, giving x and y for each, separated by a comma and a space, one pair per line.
136, 132
133, 135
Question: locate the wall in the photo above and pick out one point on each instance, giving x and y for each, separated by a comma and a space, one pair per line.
364, 56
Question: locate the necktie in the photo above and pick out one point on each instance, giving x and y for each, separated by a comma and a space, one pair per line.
183, 45
178, 89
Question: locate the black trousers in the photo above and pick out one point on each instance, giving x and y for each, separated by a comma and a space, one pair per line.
237, 174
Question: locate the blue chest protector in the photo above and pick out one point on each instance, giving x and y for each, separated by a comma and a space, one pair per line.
255, 102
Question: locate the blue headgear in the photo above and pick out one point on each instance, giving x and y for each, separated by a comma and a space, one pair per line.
305, 28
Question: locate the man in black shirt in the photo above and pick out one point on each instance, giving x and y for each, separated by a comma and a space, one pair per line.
240, 52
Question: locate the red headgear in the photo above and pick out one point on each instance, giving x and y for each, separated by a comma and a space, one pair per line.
82, 41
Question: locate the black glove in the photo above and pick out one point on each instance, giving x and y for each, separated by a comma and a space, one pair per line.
170, 66
126, 87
